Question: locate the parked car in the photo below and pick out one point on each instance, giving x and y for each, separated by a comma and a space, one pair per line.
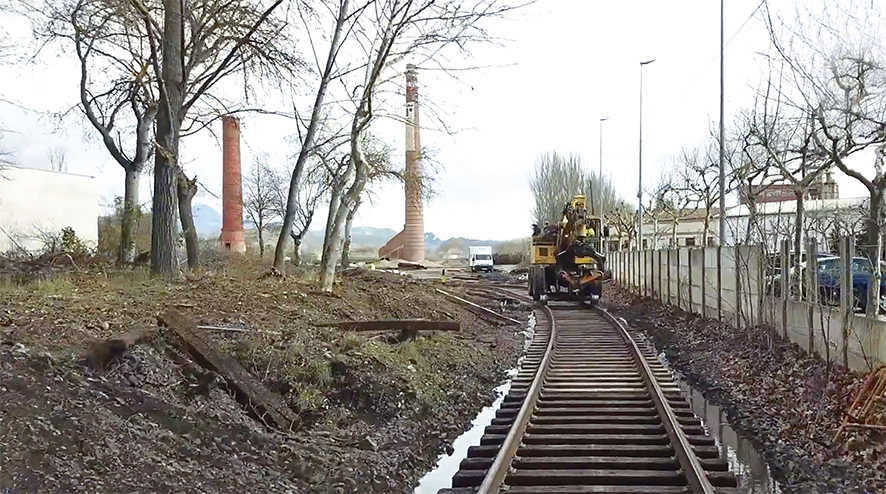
829, 273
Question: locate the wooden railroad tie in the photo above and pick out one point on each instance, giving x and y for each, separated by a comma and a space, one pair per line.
250, 392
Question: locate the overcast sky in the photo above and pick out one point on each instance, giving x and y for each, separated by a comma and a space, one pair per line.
558, 67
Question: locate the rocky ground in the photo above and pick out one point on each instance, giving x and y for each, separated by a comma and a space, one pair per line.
374, 412
788, 403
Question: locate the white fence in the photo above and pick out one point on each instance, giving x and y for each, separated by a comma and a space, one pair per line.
729, 283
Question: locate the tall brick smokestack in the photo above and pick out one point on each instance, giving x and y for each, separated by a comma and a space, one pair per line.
414, 230
232, 238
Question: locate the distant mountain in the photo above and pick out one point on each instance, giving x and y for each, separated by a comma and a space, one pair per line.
432, 242
455, 245
207, 221
362, 237
367, 236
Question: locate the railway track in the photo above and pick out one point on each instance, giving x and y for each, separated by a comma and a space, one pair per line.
591, 410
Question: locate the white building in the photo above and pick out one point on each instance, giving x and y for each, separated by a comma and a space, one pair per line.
35, 202
661, 232
822, 219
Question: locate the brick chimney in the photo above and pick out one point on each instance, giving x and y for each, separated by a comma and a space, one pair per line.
232, 238
409, 244
414, 230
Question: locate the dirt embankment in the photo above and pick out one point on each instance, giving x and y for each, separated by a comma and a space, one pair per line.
374, 413
788, 403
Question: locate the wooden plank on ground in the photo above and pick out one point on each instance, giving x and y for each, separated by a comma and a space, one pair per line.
251, 393
478, 309
393, 324
410, 265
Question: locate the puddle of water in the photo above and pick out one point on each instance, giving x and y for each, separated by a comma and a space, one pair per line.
447, 465
750, 469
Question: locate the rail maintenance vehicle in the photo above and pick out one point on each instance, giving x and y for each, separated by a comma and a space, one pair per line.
566, 262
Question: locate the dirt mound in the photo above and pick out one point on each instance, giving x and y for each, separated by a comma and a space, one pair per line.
374, 413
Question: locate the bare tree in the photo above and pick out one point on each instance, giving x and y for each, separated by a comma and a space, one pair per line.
393, 30
312, 186
624, 218
699, 175
672, 203
260, 192
343, 18
557, 177
58, 159
115, 90
750, 174
783, 133
839, 83
191, 48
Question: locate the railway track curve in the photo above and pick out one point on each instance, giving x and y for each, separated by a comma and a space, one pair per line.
592, 410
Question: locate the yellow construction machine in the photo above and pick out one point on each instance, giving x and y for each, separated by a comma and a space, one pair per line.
566, 261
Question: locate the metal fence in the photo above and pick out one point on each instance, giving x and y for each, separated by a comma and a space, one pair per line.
745, 286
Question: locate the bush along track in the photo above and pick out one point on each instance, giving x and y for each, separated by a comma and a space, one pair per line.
787, 402
374, 410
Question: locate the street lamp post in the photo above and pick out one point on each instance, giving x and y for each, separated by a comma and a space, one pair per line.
600, 180
640, 179
722, 239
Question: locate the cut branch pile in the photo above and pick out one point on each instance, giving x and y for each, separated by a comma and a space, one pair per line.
868, 408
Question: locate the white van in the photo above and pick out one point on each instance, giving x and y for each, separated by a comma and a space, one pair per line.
480, 258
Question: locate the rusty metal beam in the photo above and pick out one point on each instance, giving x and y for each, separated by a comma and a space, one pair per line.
478, 308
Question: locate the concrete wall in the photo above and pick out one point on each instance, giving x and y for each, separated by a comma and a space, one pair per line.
34, 201
688, 278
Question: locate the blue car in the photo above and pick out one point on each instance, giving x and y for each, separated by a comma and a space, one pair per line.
829, 269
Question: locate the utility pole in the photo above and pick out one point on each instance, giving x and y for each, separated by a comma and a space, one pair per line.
600, 185
722, 239
640, 179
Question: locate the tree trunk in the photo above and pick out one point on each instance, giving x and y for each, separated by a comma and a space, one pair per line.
129, 219
335, 199
752, 220
296, 252
346, 247
308, 142
333, 252
707, 227
876, 212
166, 155
187, 189
350, 200
336, 196
798, 242
297, 238
261, 240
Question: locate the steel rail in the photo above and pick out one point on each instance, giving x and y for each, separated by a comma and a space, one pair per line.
692, 468
694, 473
496, 474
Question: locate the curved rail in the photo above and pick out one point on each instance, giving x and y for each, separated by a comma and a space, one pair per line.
496, 475
692, 469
